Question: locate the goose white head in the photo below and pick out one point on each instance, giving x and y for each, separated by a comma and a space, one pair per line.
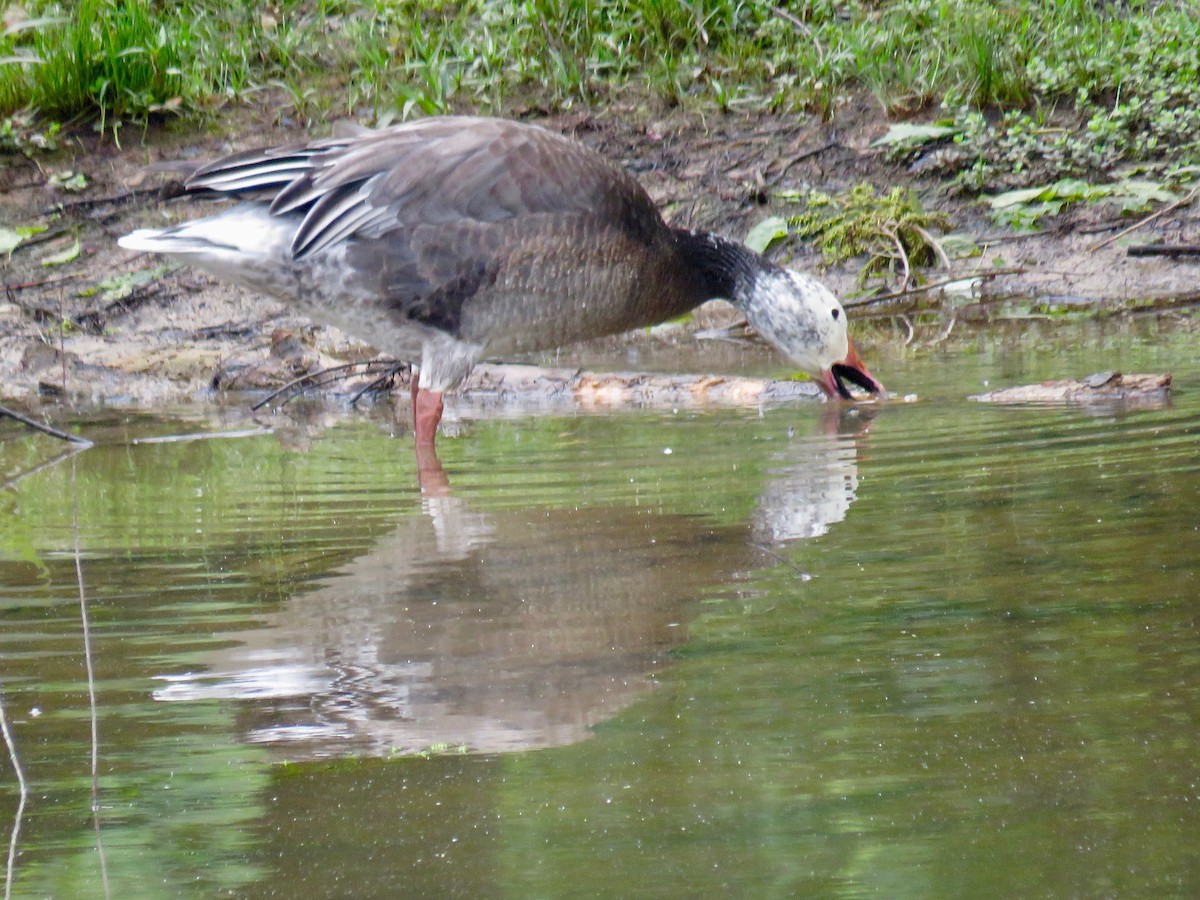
805, 321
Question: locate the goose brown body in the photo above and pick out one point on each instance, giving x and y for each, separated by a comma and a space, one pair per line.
450, 240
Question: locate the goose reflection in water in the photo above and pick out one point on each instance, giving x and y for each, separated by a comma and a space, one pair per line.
507, 629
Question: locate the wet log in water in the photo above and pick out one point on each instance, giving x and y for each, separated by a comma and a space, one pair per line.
534, 386
494, 385
1103, 387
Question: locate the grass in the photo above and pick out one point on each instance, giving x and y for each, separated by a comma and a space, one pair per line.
1028, 85
121, 61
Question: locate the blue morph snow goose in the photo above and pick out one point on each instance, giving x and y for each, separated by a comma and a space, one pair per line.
449, 240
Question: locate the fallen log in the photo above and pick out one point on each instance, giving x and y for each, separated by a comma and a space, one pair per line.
1102, 387
534, 386
525, 387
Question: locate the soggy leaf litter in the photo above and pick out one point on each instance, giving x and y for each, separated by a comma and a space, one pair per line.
84, 321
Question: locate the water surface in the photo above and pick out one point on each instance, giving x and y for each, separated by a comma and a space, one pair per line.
930, 649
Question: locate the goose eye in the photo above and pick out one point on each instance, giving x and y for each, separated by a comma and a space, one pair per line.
835, 314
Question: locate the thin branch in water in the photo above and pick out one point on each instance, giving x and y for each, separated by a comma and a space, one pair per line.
20, 476
380, 383
764, 549
322, 378
91, 685
949, 328
931, 286
23, 785
44, 429
293, 388
202, 436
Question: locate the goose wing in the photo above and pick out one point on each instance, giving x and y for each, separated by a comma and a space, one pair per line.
448, 173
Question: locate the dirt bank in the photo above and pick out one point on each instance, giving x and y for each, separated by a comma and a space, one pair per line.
82, 321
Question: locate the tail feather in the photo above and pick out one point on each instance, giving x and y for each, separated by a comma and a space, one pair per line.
246, 231
169, 241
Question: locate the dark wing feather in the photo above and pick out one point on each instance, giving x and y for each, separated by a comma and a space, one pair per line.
438, 172
255, 174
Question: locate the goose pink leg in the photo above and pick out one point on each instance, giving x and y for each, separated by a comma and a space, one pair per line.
427, 413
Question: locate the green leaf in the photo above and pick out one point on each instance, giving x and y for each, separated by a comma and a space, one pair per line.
960, 246
1073, 189
62, 256
69, 181
909, 136
10, 238
1136, 195
1013, 198
767, 232
118, 287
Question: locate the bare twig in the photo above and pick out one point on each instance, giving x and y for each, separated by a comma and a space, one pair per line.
45, 282
297, 385
328, 376
1182, 201
379, 383
93, 320
933, 242
91, 685
89, 203
23, 786
776, 177
902, 254
44, 429
202, 436
988, 239
931, 286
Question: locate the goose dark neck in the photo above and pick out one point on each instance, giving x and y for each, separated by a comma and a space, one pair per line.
717, 267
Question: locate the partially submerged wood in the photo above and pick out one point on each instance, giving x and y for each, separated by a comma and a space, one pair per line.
525, 387
1102, 387
5, 412
514, 388
519, 387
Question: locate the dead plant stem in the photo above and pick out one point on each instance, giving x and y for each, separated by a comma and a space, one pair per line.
23, 786
91, 685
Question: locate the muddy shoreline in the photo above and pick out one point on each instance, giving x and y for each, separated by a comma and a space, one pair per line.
83, 322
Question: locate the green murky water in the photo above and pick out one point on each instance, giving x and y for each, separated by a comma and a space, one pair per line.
935, 649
